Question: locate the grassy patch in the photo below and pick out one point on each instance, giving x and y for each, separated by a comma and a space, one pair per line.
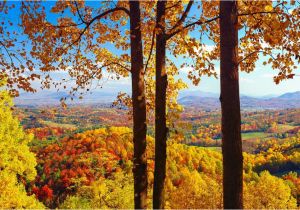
254, 135
217, 149
284, 128
53, 124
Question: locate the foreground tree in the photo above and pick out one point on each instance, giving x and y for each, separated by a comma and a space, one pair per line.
17, 163
139, 108
172, 28
85, 69
269, 30
230, 106
160, 108
16, 63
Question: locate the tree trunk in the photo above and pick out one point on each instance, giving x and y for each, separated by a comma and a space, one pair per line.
160, 109
139, 109
230, 105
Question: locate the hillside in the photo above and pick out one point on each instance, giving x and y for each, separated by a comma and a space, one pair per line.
93, 170
285, 101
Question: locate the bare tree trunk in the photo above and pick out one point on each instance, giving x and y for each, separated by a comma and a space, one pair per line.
230, 104
139, 109
161, 130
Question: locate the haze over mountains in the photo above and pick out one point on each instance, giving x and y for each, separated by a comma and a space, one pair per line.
204, 100
287, 100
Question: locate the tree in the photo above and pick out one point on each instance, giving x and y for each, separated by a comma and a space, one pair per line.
176, 34
104, 193
230, 106
269, 192
139, 108
259, 19
54, 40
17, 66
17, 163
160, 109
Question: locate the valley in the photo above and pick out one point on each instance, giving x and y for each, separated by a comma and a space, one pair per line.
68, 143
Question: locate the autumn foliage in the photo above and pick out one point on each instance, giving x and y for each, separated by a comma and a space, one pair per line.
17, 163
71, 171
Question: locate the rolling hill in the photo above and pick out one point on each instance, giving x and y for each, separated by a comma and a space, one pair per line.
199, 99
287, 100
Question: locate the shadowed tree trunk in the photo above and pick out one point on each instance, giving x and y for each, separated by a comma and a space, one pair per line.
160, 109
139, 109
230, 104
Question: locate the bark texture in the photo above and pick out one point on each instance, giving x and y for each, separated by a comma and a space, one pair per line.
139, 108
161, 129
230, 104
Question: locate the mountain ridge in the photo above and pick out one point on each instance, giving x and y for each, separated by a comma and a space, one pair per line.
200, 99
284, 101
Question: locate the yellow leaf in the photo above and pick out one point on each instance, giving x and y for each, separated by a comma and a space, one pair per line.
268, 8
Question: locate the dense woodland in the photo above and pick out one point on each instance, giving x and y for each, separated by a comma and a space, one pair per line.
146, 150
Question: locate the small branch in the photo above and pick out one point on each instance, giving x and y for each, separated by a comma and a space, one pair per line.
151, 49
249, 55
97, 18
91, 21
50, 25
257, 51
7, 51
65, 26
175, 5
184, 15
78, 12
255, 13
199, 22
91, 76
118, 64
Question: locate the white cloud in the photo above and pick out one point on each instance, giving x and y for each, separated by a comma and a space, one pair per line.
268, 75
246, 80
186, 70
204, 47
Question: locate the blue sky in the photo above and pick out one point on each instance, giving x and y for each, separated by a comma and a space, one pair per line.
257, 83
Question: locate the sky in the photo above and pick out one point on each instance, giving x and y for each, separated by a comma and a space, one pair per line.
257, 83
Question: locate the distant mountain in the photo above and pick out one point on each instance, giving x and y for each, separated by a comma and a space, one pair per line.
185, 93
209, 103
200, 99
287, 100
43, 98
291, 96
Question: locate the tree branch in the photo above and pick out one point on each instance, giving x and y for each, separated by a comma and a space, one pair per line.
50, 25
7, 51
249, 55
199, 22
151, 49
184, 15
118, 64
94, 19
78, 12
91, 76
255, 13
262, 12
257, 51
175, 5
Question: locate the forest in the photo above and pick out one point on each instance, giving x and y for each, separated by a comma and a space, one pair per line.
151, 146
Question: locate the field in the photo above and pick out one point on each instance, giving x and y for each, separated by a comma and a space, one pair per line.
254, 135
